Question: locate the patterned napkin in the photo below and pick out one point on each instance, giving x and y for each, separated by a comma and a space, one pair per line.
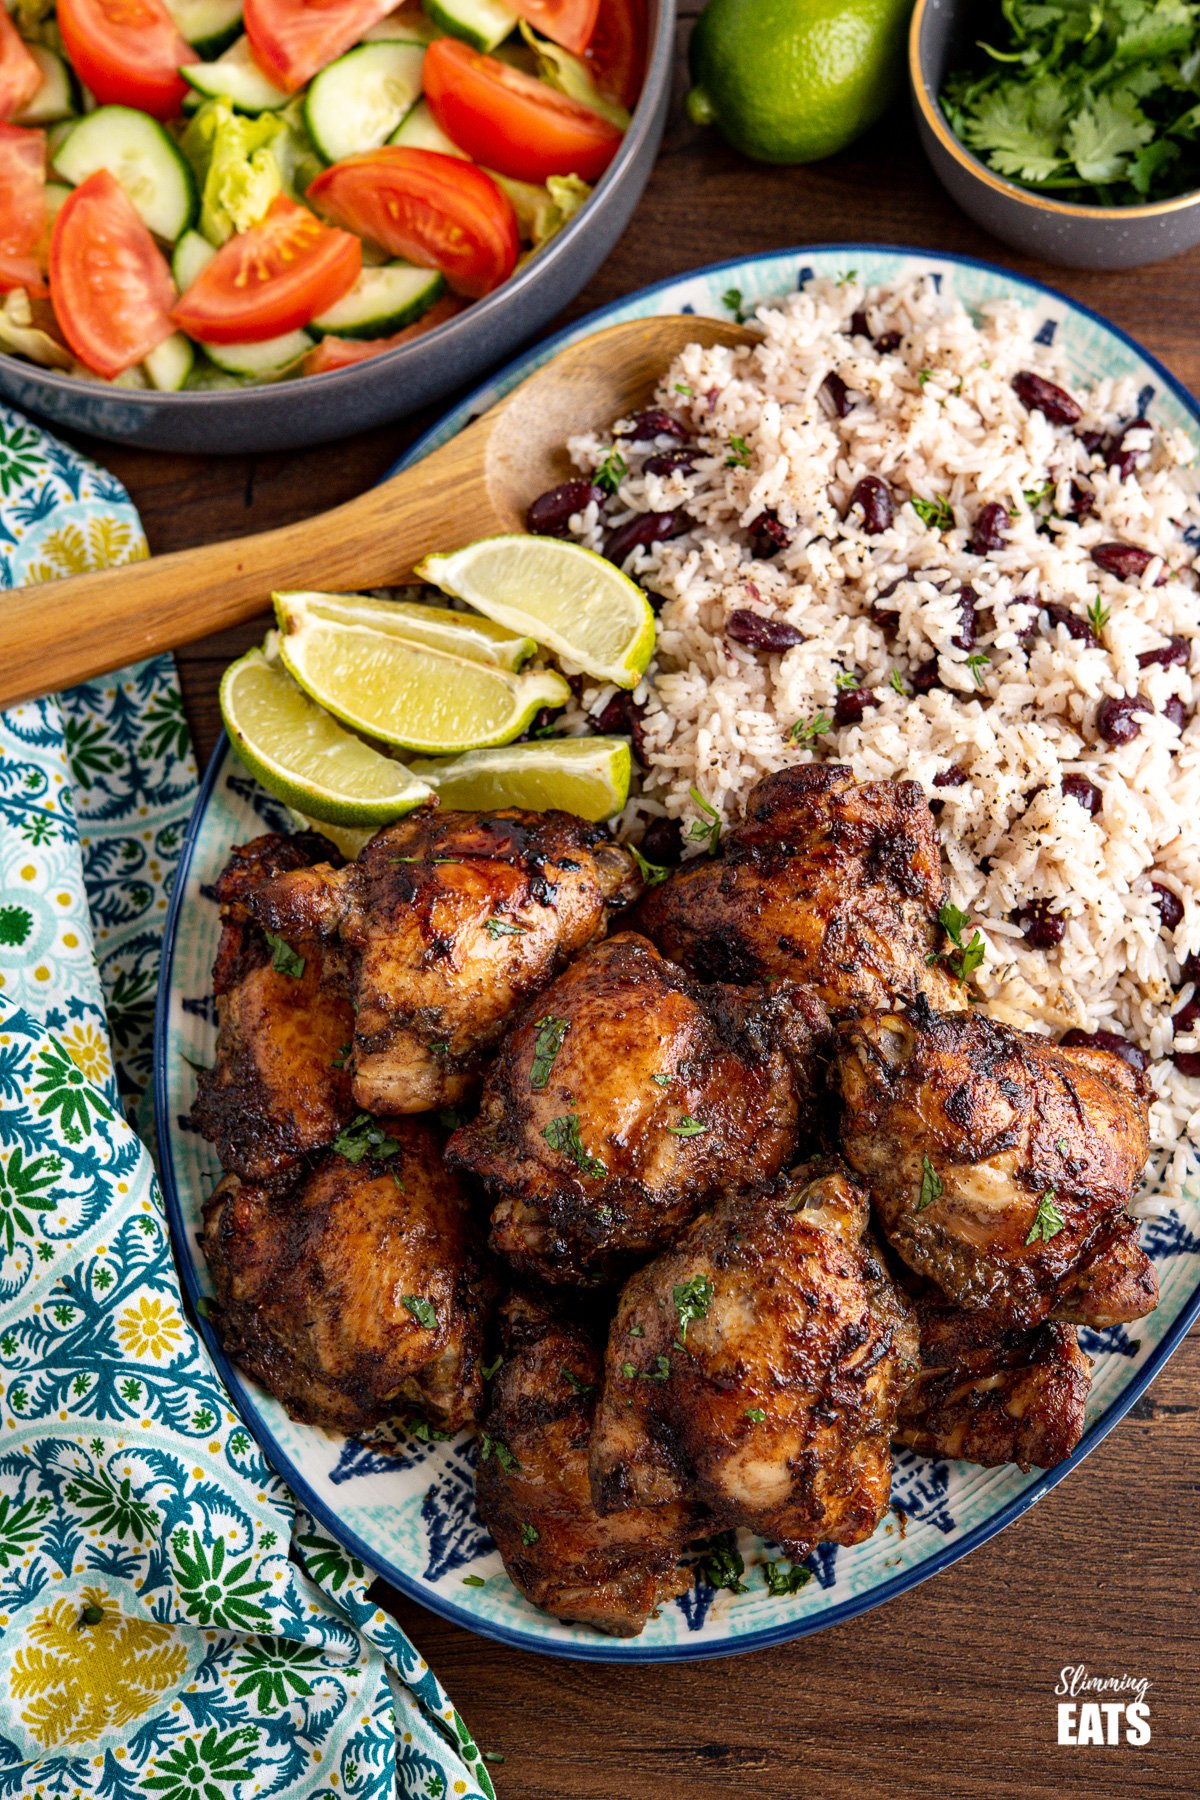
173, 1626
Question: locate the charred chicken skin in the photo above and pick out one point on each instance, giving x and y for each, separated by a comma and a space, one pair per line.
755, 1369
277, 1089
1000, 1164
447, 921
992, 1394
532, 1486
825, 881
356, 1292
624, 1096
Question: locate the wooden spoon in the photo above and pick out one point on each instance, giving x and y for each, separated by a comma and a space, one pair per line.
479, 483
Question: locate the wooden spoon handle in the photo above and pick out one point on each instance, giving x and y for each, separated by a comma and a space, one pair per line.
54, 636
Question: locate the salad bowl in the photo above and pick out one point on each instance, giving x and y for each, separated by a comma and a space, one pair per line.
289, 415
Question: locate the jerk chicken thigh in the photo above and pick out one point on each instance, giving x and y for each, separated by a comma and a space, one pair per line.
1000, 1165
357, 1289
532, 1485
623, 1097
278, 1088
756, 1367
825, 881
445, 922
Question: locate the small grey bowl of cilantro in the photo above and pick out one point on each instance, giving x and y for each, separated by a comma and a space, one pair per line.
1070, 129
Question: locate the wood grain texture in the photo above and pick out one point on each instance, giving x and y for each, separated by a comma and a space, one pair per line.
947, 1691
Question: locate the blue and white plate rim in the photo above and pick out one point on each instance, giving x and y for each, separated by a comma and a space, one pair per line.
784, 264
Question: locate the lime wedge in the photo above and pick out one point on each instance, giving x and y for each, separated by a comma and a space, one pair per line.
349, 839
566, 597
304, 757
586, 776
406, 693
454, 633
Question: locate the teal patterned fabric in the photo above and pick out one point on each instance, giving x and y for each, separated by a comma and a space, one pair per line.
172, 1625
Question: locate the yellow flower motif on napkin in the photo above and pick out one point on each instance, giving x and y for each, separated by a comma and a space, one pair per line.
73, 549
87, 1049
150, 1328
85, 1667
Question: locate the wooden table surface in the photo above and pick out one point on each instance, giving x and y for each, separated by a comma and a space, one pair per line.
949, 1689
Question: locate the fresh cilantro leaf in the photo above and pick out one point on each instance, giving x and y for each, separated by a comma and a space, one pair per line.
731, 299
687, 1127
497, 927
739, 454
932, 1185
681, 387
755, 1414
1103, 138
563, 1134
937, 514
610, 471
546, 1046
977, 662
651, 873
284, 960
529, 1535
965, 957
343, 1055
422, 1310
489, 1446
698, 831
723, 1565
785, 1578
692, 1300
661, 1080
1047, 1220
580, 1387
364, 1136
473, 1581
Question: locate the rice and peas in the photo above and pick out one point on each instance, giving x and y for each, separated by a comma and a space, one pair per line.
1077, 857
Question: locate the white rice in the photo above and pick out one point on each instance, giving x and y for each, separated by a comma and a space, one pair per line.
939, 417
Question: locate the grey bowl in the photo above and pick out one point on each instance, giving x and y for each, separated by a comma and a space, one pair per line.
1082, 237
313, 409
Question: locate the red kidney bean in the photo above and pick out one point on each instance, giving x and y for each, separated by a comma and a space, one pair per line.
1037, 394
1117, 454
858, 324
751, 628
663, 843
1128, 562
622, 717
1187, 1062
991, 529
875, 499
1173, 654
1078, 787
1170, 906
835, 395
666, 462
1174, 710
889, 341
1106, 1040
1082, 502
539, 725
550, 514
643, 529
1080, 629
951, 777
925, 677
768, 535
1185, 1020
652, 423
1041, 927
1091, 440
965, 636
852, 703
1117, 720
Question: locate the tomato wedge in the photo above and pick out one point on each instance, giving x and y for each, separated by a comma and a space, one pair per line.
509, 122
293, 39
616, 50
432, 209
109, 282
566, 22
22, 209
20, 77
339, 353
127, 52
270, 279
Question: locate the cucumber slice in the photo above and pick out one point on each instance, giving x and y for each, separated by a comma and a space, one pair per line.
170, 363
192, 253
419, 130
135, 148
208, 25
267, 361
382, 301
237, 78
483, 23
58, 96
358, 101
56, 193
405, 24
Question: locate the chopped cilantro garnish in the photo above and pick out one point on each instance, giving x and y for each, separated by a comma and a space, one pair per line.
498, 928
661, 1080
732, 300
755, 1414
723, 1565
284, 960
897, 681
1047, 1220
580, 1387
651, 873
931, 1184
846, 679
610, 471
1034, 496
739, 454
529, 1534
937, 514
489, 1369
489, 1446
687, 1127
1098, 615
343, 1055
473, 1581
681, 387
977, 662
785, 1578
546, 1046
692, 1301
422, 1310
698, 831
364, 1136
563, 1134
965, 958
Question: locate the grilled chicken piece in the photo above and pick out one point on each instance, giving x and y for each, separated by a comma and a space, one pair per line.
532, 1486
1000, 1164
277, 1089
755, 1369
448, 922
358, 1290
827, 882
625, 1095
990, 1394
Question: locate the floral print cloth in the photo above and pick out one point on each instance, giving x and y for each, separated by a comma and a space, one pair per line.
172, 1625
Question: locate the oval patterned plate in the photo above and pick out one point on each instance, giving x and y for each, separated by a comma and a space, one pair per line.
411, 1515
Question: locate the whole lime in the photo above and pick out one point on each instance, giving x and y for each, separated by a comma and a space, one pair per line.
790, 81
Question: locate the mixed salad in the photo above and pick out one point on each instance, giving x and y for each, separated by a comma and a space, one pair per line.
198, 193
